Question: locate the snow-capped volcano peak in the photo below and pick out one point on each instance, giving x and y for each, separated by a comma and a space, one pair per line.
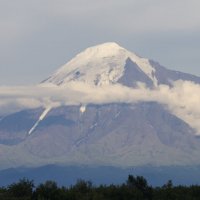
101, 65
103, 50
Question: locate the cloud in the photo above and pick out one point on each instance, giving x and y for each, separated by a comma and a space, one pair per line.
182, 99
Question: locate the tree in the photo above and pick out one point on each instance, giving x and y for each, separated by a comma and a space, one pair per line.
168, 185
23, 188
47, 191
139, 184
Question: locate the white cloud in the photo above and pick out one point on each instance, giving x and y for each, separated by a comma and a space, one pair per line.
182, 99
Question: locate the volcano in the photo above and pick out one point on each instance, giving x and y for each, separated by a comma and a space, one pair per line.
118, 134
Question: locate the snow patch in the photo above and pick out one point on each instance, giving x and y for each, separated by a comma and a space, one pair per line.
42, 116
145, 66
117, 115
93, 126
82, 109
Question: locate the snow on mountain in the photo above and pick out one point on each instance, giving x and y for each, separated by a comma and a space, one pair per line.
42, 116
101, 65
108, 64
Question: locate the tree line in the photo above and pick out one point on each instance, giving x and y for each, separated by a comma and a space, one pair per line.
135, 188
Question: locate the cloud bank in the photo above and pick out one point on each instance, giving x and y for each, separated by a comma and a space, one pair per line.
182, 99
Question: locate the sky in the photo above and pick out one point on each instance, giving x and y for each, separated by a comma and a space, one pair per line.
38, 36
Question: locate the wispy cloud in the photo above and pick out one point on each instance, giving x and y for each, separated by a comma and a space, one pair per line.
182, 99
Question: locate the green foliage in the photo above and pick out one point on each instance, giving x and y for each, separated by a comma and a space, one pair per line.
135, 188
48, 190
21, 190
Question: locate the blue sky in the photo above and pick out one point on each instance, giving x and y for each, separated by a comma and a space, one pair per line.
38, 36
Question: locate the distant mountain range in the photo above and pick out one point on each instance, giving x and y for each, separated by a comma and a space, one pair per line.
118, 134
69, 175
